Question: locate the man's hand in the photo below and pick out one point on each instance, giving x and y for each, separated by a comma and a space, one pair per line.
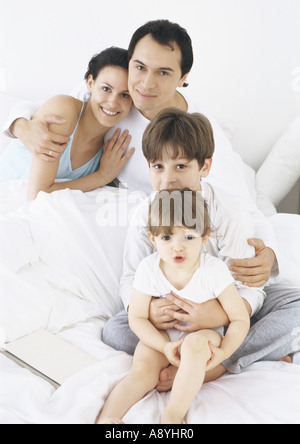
254, 272
38, 139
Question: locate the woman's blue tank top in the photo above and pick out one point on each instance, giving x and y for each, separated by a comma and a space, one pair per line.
15, 162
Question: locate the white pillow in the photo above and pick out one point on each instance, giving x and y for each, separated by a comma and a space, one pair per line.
287, 230
281, 170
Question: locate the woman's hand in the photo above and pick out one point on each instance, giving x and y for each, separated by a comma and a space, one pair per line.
172, 353
114, 158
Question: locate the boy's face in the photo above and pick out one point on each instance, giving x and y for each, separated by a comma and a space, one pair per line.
154, 75
176, 174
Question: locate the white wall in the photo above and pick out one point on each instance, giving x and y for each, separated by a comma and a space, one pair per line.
247, 53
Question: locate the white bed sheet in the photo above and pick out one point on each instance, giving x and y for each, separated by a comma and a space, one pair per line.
267, 393
65, 278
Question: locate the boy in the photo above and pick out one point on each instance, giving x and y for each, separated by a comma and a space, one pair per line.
178, 148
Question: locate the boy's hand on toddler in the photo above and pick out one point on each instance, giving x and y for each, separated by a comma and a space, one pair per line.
187, 313
172, 353
158, 316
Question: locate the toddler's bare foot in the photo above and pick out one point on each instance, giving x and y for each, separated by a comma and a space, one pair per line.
110, 421
171, 418
287, 359
166, 379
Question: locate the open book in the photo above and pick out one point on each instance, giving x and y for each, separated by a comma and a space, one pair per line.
48, 356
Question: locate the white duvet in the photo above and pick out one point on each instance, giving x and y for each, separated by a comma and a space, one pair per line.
59, 269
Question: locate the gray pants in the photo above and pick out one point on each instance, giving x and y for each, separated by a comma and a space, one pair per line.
274, 332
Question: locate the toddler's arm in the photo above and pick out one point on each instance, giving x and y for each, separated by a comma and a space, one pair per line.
140, 324
238, 329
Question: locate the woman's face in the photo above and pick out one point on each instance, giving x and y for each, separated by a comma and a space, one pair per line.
110, 100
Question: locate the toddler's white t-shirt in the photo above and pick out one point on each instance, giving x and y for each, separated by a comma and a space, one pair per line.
208, 282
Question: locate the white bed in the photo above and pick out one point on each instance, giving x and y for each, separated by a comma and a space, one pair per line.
60, 270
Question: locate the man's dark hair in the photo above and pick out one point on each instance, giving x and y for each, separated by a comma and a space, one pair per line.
166, 33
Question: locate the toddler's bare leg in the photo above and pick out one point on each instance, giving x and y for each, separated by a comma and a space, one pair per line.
142, 378
195, 353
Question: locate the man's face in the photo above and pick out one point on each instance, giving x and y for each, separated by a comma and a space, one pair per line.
154, 75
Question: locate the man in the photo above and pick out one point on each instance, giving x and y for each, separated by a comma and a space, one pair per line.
160, 56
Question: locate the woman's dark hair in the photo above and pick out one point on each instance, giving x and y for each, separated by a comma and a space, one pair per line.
111, 56
166, 33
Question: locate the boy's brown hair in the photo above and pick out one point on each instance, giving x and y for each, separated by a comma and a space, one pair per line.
178, 208
180, 134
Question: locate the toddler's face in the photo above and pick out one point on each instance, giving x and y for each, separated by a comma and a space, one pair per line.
181, 249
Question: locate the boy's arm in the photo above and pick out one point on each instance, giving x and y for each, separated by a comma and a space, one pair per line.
137, 247
255, 259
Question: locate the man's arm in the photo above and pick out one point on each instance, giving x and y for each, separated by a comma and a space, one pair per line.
24, 111
36, 135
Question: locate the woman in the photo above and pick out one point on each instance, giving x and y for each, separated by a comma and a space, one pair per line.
86, 123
